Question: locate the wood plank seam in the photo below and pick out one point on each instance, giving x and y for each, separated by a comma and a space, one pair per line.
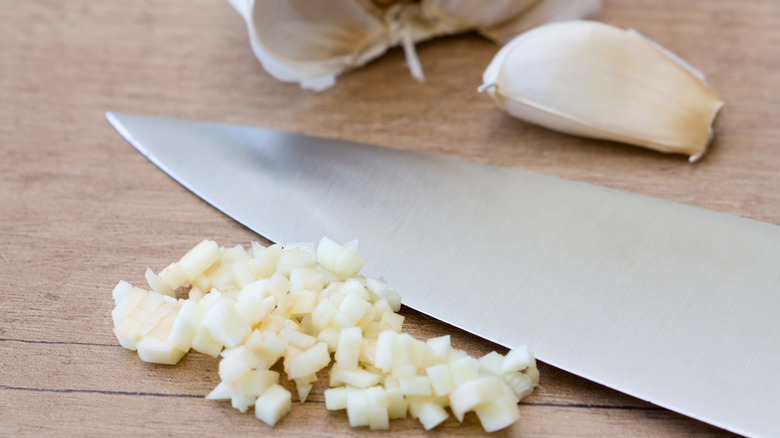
36, 341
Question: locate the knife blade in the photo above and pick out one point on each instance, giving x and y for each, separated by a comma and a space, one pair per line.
670, 303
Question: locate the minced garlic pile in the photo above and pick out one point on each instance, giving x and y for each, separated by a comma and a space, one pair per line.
309, 308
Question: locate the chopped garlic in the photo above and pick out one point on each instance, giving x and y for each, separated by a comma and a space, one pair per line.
431, 414
153, 349
224, 323
185, 327
279, 304
348, 349
274, 404
336, 398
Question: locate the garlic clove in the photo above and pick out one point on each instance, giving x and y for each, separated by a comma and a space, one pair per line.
313, 42
595, 80
541, 12
302, 30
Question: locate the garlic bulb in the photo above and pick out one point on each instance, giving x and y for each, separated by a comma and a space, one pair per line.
595, 80
540, 12
312, 42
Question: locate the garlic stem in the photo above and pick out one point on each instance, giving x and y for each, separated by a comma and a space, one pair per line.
412, 60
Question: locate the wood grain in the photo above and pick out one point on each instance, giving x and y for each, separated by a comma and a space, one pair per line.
80, 209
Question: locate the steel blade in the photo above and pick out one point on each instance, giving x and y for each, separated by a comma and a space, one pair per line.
670, 303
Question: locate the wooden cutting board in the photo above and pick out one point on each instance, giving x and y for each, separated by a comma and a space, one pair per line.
80, 209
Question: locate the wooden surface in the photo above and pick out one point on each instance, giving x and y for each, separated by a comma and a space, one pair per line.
80, 209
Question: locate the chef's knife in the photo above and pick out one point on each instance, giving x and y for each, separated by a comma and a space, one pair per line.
669, 303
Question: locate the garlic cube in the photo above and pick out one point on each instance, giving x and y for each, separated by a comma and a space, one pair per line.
378, 418
357, 407
185, 327
305, 278
225, 324
520, 384
304, 250
415, 385
309, 361
242, 273
491, 363
357, 378
336, 398
379, 289
431, 415
268, 258
339, 260
297, 339
330, 336
221, 392
391, 320
464, 370
473, 393
397, 404
255, 382
196, 294
303, 389
204, 343
304, 303
127, 333
201, 282
440, 346
385, 349
518, 359
155, 350
278, 285
174, 276
119, 292
354, 307
323, 314
253, 309
348, 349
441, 379
271, 348
498, 413
236, 362
128, 301
274, 404
242, 402
157, 284
200, 258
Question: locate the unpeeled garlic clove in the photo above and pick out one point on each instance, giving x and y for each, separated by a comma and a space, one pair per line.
312, 42
595, 80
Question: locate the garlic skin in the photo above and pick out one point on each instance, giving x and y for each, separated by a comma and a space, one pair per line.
595, 80
312, 43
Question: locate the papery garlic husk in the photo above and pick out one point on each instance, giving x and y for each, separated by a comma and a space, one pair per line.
312, 42
595, 80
